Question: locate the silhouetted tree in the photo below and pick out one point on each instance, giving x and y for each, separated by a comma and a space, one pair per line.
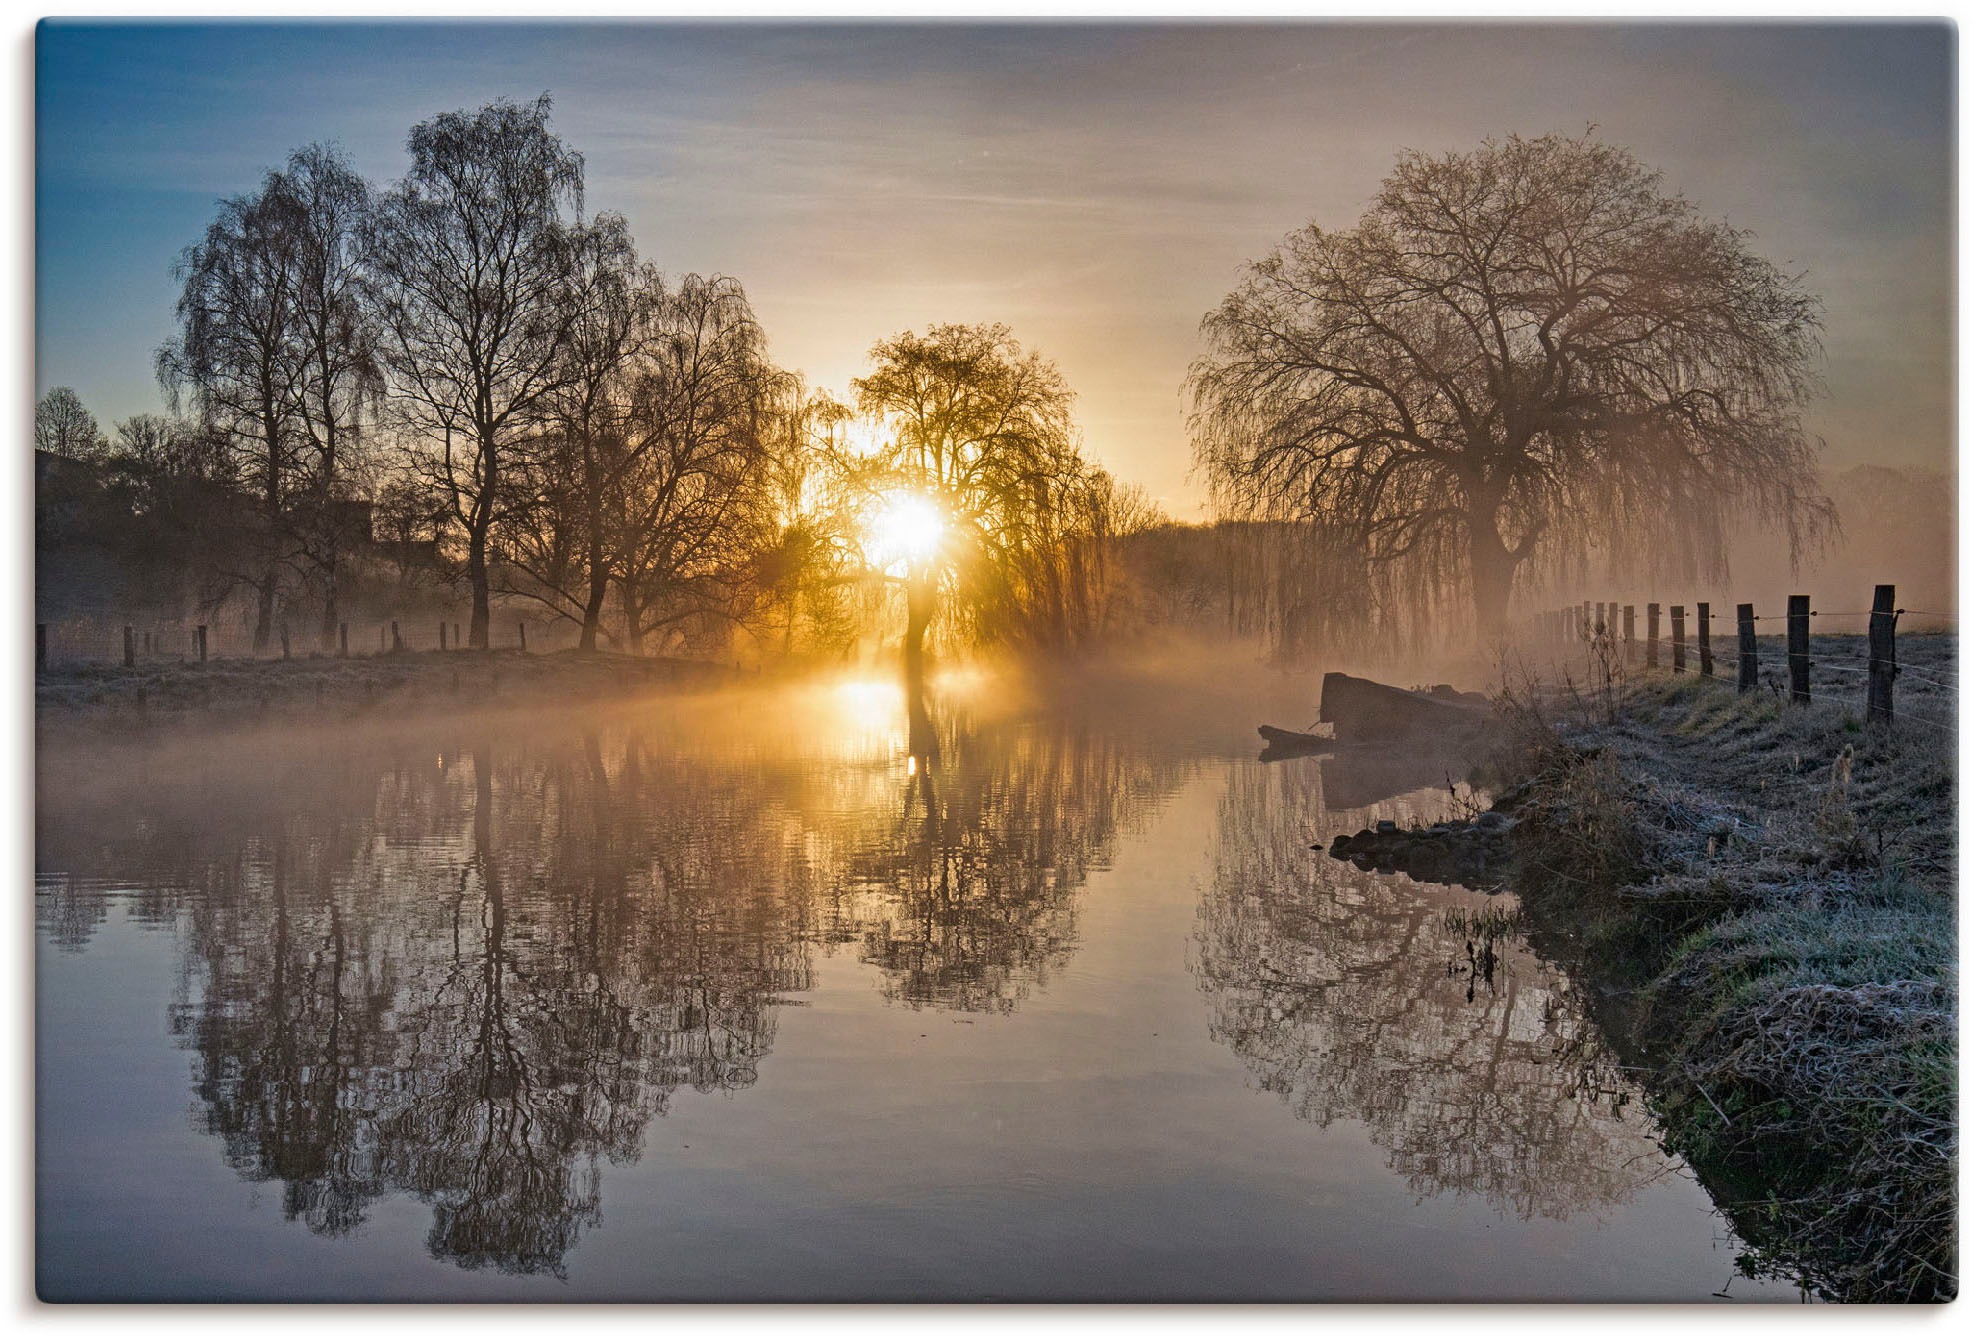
564, 544
690, 498
471, 258
149, 442
1520, 354
239, 357
62, 426
342, 377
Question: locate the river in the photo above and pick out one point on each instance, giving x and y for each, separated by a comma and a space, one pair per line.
736, 997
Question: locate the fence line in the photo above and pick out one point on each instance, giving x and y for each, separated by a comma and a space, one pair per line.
140, 643
1600, 623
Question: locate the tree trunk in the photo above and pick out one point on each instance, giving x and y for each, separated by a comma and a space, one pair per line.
332, 535
270, 428
1493, 570
476, 545
476, 578
329, 607
593, 521
919, 595
599, 587
264, 610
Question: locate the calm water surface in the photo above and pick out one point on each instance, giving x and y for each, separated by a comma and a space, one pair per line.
737, 998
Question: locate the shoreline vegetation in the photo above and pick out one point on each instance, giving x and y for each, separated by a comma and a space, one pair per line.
171, 693
1759, 900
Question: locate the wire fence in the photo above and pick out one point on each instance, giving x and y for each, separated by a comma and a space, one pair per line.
1841, 656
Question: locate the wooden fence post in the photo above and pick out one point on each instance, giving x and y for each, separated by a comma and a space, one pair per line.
1679, 613
342, 640
1881, 667
202, 644
397, 641
1628, 632
284, 640
459, 641
1701, 639
130, 647
1584, 622
1652, 635
442, 637
1799, 628
524, 636
1745, 646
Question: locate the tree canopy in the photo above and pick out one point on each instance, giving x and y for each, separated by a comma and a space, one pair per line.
981, 428
1521, 356
470, 257
62, 426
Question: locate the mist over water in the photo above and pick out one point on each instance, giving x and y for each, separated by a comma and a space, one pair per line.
754, 995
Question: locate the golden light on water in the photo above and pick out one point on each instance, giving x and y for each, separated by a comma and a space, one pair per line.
905, 530
868, 705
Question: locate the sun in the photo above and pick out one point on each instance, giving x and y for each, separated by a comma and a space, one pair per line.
905, 530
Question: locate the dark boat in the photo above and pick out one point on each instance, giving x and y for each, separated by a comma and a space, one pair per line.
1361, 710
1282, 743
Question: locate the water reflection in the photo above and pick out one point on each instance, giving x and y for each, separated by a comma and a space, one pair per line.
491, 993
472, 969
969, 901
1405, 1007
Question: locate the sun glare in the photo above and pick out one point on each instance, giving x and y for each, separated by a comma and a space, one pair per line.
905, 530
864, 437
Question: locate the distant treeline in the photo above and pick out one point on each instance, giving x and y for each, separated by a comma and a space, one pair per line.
464, 384
463, 393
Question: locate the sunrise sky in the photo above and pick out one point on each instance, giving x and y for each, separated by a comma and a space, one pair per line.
1096, 188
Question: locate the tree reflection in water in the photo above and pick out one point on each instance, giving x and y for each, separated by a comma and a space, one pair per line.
475, 976
483, 1030
968, 903
1373, 998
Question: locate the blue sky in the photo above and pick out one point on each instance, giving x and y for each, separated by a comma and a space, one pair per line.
1095, 187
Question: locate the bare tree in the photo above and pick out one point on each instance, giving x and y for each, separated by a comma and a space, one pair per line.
237, 355
341, 378
1528, 353
62, 426
563, 545
470, 254
690, 496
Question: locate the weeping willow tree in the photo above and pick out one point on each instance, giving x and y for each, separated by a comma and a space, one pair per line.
1523, 359
981, 430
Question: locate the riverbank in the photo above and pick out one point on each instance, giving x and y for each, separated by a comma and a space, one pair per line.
1760, 898
167, 693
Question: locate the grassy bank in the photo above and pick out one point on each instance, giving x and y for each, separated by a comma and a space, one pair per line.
167, 693
1762, 898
